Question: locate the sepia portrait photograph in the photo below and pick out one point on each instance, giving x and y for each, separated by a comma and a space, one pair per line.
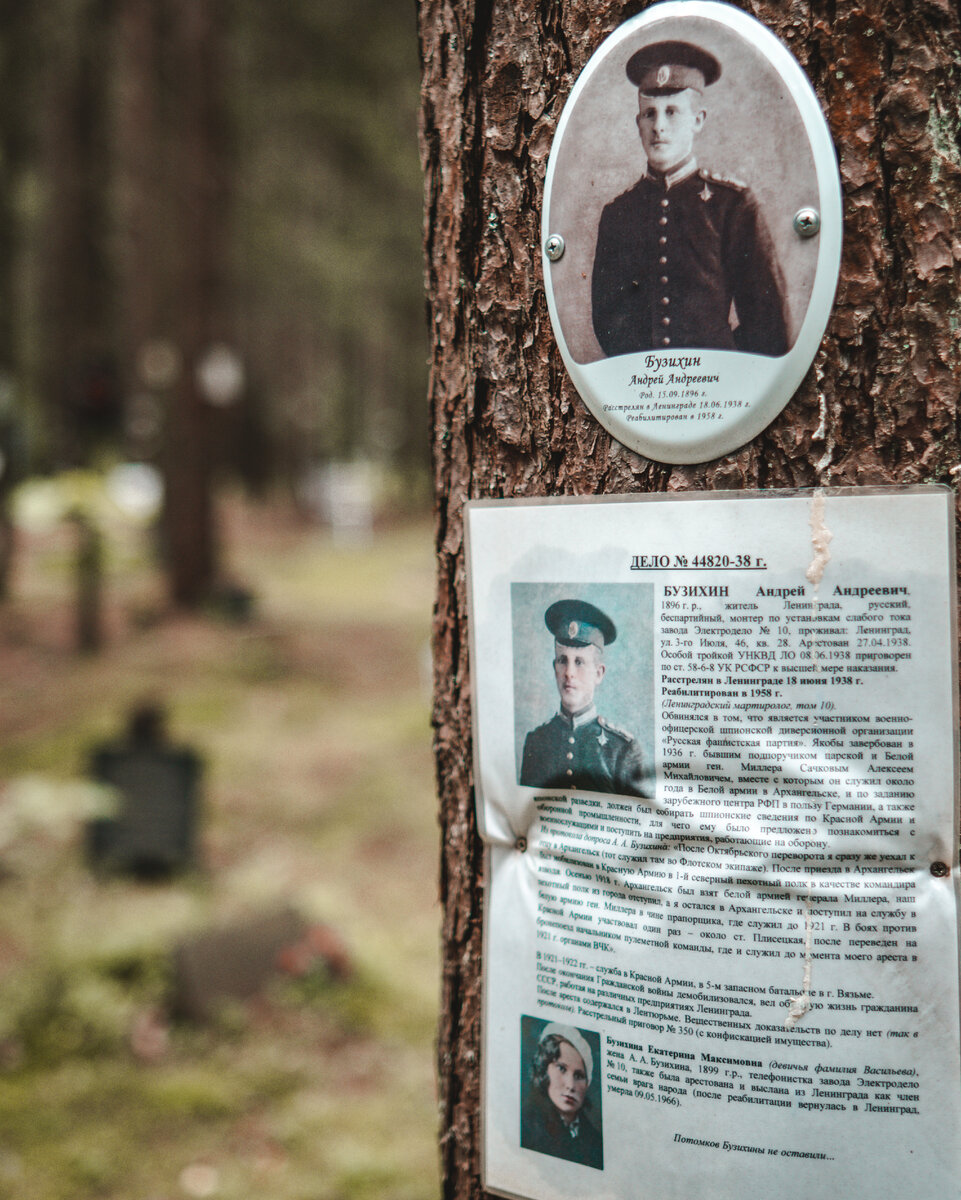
583, 686
681, 167
561, 1088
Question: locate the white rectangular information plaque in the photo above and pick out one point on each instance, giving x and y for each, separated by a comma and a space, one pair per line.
716, 768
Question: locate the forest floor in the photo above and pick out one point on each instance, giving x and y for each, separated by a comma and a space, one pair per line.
312, 718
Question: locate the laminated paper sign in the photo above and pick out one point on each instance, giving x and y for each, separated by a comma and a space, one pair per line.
715, 758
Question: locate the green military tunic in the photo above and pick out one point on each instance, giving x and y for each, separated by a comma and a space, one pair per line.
673, 253
584, 752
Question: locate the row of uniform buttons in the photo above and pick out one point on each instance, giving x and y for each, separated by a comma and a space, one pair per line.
665, 300
570, 755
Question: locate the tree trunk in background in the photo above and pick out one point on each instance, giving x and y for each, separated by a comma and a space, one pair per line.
172, 172
77, 353
142, 187
16, 62
15, 138
879, 405
199, 191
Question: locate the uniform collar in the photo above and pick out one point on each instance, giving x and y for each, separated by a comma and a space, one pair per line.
582, 718
678, 175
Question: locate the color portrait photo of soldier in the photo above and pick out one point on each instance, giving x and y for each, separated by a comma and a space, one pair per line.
577, 747
684, 259
676, 177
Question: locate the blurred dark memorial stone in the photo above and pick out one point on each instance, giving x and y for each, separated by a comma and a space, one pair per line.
232, 962
233, 602
153, 833
89, 566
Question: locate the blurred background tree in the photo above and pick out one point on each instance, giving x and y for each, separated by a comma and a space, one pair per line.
211, 268
210, 221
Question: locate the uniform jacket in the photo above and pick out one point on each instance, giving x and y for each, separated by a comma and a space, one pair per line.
543, 1130
672, 254
583, 752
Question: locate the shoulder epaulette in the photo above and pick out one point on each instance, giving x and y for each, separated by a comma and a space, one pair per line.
622, 733
543, 729
714, 177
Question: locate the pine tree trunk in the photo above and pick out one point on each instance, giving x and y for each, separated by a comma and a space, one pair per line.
77, 315
197, 49
143, 188
16, 129
878, 406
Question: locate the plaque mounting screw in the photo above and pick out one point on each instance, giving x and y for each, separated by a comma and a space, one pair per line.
940, 869
521, 844
554, 247
807, 222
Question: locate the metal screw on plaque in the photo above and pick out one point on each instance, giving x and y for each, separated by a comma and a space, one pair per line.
940, 869
521, 844
807, 222
554, 247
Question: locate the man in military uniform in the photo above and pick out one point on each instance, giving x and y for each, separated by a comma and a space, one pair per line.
577, 748
682, 245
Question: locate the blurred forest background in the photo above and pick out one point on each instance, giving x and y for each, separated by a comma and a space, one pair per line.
210, 256
213, 506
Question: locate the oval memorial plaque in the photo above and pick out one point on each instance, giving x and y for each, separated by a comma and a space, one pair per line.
691, 234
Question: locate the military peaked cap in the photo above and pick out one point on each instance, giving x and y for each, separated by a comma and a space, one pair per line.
671, 67
577, 623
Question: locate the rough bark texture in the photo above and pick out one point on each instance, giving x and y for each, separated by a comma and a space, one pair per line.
879, 405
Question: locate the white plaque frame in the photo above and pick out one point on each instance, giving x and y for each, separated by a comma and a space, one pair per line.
682, 404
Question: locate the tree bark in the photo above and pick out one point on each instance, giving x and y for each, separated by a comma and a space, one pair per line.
879, 405
77, 355
143, 173
199, 202
16, 136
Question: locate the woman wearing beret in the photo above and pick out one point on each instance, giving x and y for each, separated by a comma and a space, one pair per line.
555, 1119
